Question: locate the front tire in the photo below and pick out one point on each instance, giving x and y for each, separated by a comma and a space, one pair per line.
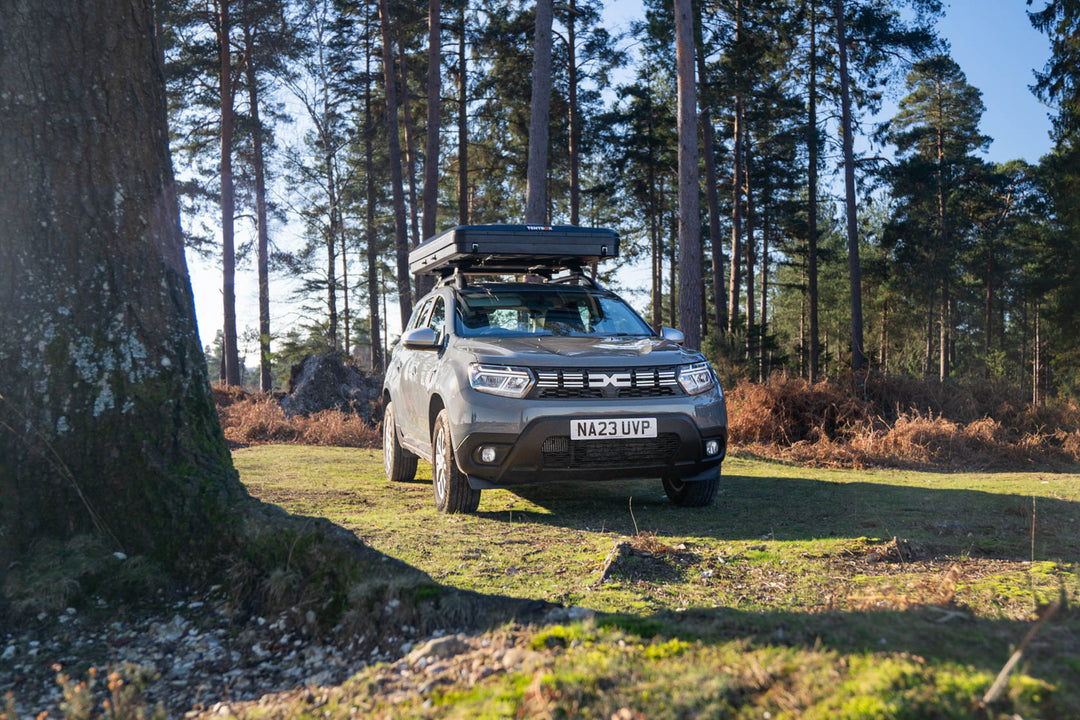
698, 493
453, 494
398, 463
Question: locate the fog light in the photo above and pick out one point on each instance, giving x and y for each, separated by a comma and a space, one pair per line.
711, 447
487, 454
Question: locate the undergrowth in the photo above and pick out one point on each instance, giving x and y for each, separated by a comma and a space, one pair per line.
900, 422
258, 418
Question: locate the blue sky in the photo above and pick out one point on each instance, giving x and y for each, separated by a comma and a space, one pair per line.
998, 50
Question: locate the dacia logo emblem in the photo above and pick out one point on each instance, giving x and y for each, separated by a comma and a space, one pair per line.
602, 380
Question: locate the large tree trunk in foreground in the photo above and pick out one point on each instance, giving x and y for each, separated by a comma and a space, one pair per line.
106, 420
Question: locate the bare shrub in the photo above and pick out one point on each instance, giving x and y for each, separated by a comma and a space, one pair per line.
258, 418
899, 422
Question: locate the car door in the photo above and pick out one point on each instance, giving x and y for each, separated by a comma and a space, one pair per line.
406, 400
427, 367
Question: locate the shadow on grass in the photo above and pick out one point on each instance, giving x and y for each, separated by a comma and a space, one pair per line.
948, 521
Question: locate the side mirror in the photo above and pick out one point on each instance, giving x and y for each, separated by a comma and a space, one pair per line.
423, 338
673, 335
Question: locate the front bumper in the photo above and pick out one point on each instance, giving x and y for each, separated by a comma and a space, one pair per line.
544, 452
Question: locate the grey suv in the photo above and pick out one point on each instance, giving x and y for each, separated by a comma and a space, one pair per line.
506, 383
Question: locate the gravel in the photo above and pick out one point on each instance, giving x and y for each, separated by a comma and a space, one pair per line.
199, 655
202, 661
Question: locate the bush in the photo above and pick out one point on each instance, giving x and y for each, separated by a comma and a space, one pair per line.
258, 418
900, 422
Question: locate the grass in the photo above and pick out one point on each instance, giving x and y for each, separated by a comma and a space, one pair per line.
802, 592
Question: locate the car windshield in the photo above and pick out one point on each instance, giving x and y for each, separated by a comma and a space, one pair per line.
575, 312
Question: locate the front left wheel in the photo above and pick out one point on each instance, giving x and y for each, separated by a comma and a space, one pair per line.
453, 494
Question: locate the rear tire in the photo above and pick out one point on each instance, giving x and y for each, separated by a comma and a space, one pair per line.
453, 494
398, 463
698, 493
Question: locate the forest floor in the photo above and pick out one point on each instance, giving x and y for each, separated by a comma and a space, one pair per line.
801, 593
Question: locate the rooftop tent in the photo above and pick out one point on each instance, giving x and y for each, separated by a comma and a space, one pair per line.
512, 249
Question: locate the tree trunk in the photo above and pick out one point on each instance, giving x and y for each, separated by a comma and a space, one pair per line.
658, 258
463, 124
673, 270
736, 197
689, 212
858, 355
751, 259
374, 324
1036, 372
575, 131
766, 229
400, 231
228, 199
536, 177
812, 195
410, 148
712, 199
107, 426
434, 112
928, 351
262, 230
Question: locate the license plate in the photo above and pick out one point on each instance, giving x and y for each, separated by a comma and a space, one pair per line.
597, 429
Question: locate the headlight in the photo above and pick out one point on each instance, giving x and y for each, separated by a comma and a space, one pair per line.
696, 378
512, 382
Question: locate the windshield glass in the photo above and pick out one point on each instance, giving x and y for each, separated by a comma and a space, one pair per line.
575, 312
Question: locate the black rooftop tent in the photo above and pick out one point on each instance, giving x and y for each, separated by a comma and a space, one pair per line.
512, 249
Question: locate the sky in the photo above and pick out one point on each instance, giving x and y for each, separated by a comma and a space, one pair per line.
991, 40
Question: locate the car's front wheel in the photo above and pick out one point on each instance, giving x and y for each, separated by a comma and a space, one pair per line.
697, 493
399, 463
453, 494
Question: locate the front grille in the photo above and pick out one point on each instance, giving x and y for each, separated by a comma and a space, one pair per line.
560, 451
606, 383
561, 393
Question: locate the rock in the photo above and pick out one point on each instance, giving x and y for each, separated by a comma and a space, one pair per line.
442, 648
324, 382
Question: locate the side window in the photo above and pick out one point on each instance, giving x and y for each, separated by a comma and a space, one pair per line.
437, 321
417, 319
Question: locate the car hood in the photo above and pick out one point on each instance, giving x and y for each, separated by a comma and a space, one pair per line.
583, 351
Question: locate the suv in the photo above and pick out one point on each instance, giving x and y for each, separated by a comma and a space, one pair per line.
506, 383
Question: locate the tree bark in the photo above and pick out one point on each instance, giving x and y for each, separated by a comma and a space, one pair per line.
434, 112
751, 259
536, 176
689, 200
812, 194
410, 148
374, 324
736, 196
394, 143
463, 124
107, 427
230, 352
858, 353
572, 111
261, 228
712, 199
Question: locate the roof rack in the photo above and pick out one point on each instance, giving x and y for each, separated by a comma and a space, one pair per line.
512, 250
